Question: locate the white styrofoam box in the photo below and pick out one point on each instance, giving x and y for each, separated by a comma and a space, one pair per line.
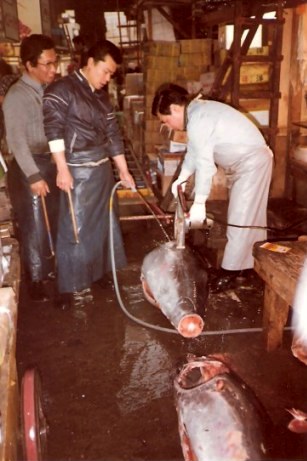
206, 81
128, 100
177, 146
160, 26
168, 166
138, 117
193, 86
226, 35
134, 84
261, 116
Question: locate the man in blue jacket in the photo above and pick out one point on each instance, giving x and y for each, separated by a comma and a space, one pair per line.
83, 135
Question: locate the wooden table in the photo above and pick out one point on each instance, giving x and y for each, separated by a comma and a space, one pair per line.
280, 272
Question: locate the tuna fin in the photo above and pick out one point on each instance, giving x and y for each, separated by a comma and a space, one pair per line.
299, 423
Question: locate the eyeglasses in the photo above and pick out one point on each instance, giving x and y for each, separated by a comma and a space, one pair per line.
50, 64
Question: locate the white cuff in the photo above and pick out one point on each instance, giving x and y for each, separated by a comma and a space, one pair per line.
57, 145
184, 175
199, 198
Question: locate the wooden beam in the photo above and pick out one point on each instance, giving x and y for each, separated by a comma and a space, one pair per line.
156, 3
149, 24
226, 15
222, 16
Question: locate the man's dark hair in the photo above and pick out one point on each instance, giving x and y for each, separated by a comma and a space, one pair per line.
32, 47
167, 94
100, 50
78, 40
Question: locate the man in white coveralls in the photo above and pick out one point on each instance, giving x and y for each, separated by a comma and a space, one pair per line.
220, 135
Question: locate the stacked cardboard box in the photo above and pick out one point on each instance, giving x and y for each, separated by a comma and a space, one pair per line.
134, 84
180, 62
160, 66
252, 72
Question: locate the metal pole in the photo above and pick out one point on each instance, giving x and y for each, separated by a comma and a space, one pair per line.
47, 225
145, 217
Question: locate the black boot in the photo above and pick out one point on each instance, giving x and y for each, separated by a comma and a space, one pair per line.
224, 280
81, 299
106, 281
63, 301
38, 292
75, 300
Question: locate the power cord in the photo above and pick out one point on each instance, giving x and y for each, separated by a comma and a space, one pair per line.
272, 229
226, 224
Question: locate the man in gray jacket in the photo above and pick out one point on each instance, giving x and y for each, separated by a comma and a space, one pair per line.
31, 174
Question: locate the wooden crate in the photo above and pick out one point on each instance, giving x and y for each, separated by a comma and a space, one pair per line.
9, 395
9, 400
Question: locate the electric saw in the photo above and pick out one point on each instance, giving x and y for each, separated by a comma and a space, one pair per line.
182, 222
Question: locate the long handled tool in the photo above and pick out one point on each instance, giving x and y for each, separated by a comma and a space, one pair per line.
73, 217
47, 226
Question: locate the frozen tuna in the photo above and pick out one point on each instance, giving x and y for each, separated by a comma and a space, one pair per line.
174, 280
220, 418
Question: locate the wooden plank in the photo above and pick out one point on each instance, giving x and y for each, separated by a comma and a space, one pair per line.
285, 71
5, 206
9, 27
275, 315
275, 77
281, 270
8, 377
10, 418
259, 58
10, 248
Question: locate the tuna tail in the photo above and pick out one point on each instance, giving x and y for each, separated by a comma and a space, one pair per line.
190, 326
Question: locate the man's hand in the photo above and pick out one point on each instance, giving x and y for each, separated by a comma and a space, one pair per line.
40, 188
64, 180
124, 175
127, 180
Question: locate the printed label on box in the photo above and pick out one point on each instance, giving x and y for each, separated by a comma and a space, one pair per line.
275, 247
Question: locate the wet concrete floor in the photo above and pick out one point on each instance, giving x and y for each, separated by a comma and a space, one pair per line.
107, 382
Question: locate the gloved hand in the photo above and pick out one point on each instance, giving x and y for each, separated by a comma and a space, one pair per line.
197, 213
182, 178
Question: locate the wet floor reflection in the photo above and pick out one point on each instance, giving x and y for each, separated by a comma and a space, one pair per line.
108, 382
